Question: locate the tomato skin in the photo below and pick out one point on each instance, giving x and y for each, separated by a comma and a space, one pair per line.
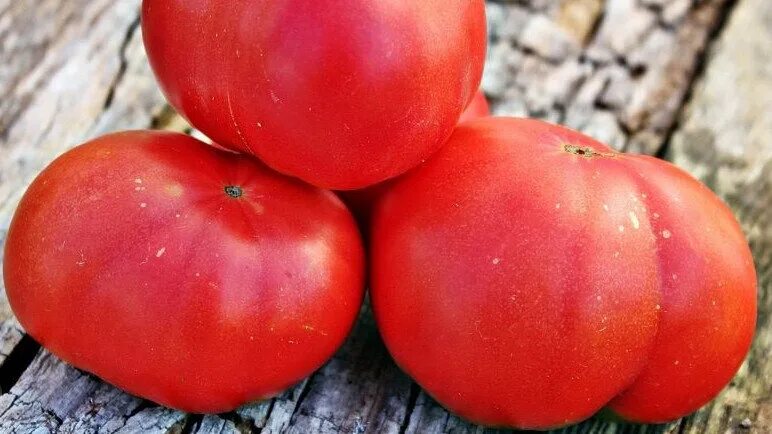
477, 108
523, 285
361, 202
127, 258
343, 95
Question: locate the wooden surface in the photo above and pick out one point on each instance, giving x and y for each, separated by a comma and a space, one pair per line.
688, 80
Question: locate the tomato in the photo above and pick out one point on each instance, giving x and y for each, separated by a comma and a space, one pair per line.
528, 276
342, 94
189, 276
477, 108
361, 202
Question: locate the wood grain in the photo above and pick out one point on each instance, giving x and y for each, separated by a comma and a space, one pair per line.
724, 139
628, 72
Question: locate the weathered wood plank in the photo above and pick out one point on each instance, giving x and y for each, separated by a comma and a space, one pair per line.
724, 139
617, 69
360, 390
54, 397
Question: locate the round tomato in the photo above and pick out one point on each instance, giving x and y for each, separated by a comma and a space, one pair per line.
189, 276
477, 108
528, 276
342, 94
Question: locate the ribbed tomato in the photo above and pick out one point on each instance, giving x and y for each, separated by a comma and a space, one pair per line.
193, 277
342, 94
527, 276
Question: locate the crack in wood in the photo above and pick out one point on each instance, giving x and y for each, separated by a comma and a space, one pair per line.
191, 423
306, 389
415, 390
123, 63
144, 405
268, 415
17, 362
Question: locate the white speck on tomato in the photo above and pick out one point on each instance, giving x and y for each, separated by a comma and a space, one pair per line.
82, 261
634, 220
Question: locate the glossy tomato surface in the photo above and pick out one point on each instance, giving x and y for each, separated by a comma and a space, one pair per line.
342, 94
527, 276
361, 202
192, 277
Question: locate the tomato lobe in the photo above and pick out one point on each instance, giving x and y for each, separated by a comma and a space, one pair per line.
550, 276
192, 277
